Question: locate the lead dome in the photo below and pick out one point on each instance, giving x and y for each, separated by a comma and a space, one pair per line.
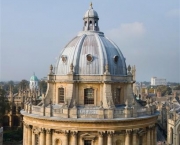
91, 51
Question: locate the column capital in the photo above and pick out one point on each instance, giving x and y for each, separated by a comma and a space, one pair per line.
28, 126
101, 133
42, 130
128, 131
110, 132
135, 130
151, 126
48, 131
36, 130
74, 132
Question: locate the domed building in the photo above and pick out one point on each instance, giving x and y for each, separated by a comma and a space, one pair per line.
89, 100
33, 82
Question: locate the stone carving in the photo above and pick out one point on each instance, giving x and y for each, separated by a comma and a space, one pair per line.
101, 133
135, 130
110, 132
49, 131
73, 132
128, 131
36, 130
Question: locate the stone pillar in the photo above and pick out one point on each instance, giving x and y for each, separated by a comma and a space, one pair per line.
100, 140
110, 137
29, 132
42, 137
25, 139
135, 136
144, 139
74, 137
128, 139
155, 135
48, 137
152, 133
148, 136
25, 135
66, 135
33, 138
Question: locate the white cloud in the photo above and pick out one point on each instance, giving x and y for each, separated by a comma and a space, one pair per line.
128, 30
173, 13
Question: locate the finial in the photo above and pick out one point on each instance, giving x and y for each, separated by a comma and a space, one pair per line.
51, 69
129, 68
91, 5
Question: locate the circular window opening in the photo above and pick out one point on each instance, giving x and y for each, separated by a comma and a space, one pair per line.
116, 58
89, 57
64, 58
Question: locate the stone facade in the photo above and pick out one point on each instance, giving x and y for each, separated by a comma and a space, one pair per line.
90, 102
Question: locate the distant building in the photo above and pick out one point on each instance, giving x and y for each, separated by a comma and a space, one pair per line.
33, 83
158, 81
12, 117
1, 136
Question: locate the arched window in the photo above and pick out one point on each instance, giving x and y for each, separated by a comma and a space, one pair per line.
90, 23
58, 142
95, 24
61, 95
85, 23
89, 96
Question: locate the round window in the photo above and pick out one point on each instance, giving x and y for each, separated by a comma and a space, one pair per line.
116, 58
64, 58
89, 57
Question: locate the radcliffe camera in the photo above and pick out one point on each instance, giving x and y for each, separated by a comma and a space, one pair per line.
90, 73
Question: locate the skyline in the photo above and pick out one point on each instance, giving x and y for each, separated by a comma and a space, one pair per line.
33, 34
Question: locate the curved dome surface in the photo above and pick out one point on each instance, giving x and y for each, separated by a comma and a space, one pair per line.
91, 13
33, 78
90, 52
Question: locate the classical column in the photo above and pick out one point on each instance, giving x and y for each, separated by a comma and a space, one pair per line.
135, 137
24, 134
148, 136
33, 138
48, 137
152, 133
74, 137
127, 139
29, 132
66, 134
110, 137
155, 135
100, 140
144, 139
42, 136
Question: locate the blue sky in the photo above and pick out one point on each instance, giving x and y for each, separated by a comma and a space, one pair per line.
34, 32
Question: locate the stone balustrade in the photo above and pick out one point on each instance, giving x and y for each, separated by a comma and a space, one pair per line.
85, 112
